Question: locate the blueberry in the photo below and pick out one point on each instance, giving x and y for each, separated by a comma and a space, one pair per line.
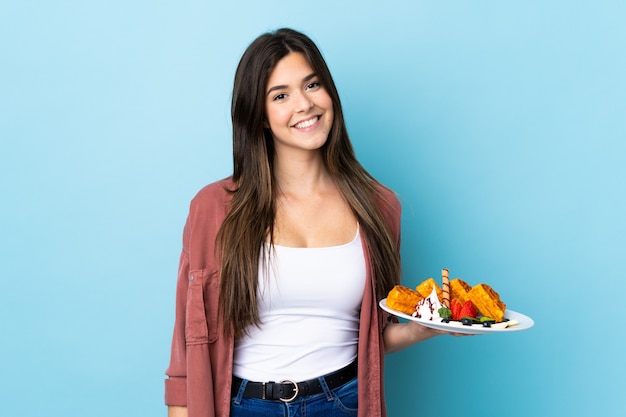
486, 323
445, 320
467, 321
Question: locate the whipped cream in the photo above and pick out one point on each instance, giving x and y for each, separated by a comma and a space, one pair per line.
427, 308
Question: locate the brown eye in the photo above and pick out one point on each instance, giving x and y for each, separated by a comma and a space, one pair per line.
313, 85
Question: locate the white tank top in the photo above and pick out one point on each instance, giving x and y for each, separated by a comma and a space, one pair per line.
309, 304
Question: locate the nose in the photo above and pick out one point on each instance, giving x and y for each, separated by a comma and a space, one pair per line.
303, 102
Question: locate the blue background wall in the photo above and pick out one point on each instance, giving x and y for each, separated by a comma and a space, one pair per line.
500, 124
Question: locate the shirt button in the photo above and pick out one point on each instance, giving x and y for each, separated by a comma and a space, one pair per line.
190, 277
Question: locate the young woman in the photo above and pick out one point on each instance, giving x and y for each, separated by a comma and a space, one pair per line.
283, 263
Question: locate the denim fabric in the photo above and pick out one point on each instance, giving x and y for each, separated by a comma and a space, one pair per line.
340, 402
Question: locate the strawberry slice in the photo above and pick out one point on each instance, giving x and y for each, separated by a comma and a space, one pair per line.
469, 310
455, 309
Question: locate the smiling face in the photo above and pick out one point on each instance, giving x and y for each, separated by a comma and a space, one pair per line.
298, 109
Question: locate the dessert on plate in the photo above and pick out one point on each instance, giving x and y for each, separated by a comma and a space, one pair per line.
454, 301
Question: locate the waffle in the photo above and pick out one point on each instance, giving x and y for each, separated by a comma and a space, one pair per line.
487, 301
403, 299
459, 289
426, 287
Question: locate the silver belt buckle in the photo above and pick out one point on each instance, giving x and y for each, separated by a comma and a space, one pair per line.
295, 394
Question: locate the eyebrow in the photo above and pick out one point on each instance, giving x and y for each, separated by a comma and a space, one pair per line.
282, 87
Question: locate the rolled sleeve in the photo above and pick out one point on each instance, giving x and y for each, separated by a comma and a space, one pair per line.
176, 391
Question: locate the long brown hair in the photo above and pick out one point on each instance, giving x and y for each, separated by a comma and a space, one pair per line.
251, 217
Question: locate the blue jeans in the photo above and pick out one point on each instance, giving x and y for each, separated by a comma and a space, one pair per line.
340, 402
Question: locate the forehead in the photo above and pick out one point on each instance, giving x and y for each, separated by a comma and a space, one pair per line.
292, 68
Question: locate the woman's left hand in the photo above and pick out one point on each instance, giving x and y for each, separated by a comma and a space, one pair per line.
398, 336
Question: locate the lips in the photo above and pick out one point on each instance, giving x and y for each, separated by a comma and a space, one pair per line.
306, 123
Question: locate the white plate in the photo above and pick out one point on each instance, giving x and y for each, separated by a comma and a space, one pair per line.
524, 322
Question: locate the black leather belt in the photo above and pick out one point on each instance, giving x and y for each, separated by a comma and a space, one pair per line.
287, 390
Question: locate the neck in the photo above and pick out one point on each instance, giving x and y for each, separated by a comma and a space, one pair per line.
302, 174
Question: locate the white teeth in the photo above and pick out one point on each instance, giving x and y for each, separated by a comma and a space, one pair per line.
306, 123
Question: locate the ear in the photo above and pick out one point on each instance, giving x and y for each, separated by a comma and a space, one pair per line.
266, 125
